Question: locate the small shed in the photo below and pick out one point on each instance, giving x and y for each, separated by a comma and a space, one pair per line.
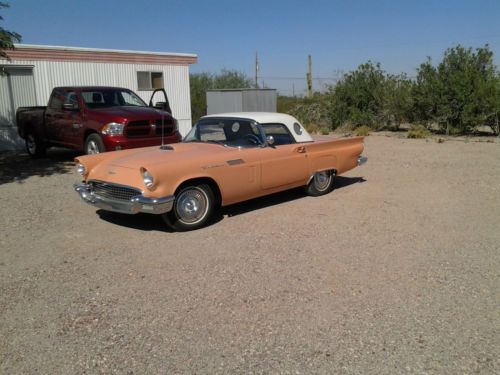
32, 72
241, 100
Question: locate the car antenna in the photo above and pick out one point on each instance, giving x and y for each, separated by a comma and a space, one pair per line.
163, 145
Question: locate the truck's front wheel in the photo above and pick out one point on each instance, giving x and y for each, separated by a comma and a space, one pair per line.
35, 147
94, 145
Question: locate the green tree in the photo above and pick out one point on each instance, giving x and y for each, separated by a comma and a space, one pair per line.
462, 92
359, 98
398, 101
201, 82
7, 38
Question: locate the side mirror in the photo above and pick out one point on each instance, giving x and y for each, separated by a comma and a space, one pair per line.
270, 140
70, 107
161, 105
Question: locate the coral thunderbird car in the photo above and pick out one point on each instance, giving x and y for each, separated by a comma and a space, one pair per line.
224, 159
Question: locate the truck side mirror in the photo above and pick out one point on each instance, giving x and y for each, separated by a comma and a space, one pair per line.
161, 105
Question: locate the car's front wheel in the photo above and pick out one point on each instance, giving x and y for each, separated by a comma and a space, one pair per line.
192, 209
321, 183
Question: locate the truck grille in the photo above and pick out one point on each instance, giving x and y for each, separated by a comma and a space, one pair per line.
144, 128
140, 128
113, 191
167, 127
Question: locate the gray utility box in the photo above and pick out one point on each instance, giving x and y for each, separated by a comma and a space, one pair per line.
241, 100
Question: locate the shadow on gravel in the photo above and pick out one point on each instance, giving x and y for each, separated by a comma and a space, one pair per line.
283, 197
145, 222
148, 222
17, 166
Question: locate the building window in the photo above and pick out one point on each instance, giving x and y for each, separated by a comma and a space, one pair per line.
149, 80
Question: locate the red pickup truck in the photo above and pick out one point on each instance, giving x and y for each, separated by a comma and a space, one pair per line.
96, 119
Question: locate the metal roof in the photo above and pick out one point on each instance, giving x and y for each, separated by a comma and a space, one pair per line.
85, 49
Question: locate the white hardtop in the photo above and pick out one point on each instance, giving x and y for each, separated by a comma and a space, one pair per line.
298, 131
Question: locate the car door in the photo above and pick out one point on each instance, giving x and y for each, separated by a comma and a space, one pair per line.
285, 162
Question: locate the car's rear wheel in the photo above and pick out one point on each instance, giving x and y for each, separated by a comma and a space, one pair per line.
94, 144
192, 209
321, 183
34, 146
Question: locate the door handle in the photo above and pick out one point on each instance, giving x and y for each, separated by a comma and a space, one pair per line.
77, 126
301, 149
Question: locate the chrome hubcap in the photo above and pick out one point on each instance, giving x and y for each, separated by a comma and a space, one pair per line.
322, 180
191, 205
92, 148
30, 142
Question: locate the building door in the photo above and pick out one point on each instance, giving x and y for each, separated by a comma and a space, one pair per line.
17, 89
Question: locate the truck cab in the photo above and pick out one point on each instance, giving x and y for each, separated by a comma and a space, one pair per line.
96, 119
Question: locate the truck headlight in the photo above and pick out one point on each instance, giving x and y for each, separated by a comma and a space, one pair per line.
113, 128
80, 168
147, 178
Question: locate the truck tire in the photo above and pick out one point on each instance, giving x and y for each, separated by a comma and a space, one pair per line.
193, 208
321, 183
34, 145
94, 145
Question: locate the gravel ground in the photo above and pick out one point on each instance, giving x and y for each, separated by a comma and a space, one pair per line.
396, 271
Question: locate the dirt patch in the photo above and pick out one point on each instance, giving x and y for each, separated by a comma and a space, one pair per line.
395, 271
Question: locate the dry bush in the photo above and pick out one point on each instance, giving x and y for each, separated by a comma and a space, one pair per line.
363, 131
418, 132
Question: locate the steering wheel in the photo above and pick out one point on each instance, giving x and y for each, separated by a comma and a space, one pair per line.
252, 138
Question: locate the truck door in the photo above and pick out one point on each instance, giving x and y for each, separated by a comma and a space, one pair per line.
63, 118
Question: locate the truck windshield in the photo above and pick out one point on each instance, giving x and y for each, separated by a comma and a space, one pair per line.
105, 98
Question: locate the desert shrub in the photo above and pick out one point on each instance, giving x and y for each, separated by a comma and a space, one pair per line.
312, 128
363, 130
418, 131
461, 92
324, 130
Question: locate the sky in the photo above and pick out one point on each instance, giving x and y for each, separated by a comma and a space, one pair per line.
339, 35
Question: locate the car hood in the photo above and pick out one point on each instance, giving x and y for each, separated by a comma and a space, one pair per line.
174, 153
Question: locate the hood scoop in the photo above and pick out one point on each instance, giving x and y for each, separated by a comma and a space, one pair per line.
166, 148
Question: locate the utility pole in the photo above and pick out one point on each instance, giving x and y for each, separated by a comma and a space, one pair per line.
309, 77
256, 70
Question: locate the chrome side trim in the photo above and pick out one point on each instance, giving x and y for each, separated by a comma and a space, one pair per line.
362, 160
136, 204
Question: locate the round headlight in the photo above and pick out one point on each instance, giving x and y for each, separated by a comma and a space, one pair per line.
81, 169
147, 178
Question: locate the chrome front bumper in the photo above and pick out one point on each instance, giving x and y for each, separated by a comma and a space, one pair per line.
362, 160
136, 204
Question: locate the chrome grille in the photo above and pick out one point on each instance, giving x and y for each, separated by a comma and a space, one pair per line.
113, 191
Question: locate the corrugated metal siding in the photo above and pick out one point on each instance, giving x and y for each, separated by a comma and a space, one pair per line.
224, 101
16, 90
49, 74
260, 101
250, 100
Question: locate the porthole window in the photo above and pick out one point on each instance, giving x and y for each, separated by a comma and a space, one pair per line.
235, 127
297, 128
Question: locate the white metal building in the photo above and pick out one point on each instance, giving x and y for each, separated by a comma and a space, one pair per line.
241, 100
34, 70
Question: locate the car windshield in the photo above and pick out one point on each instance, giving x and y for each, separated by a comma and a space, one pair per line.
105, 98
227, 132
